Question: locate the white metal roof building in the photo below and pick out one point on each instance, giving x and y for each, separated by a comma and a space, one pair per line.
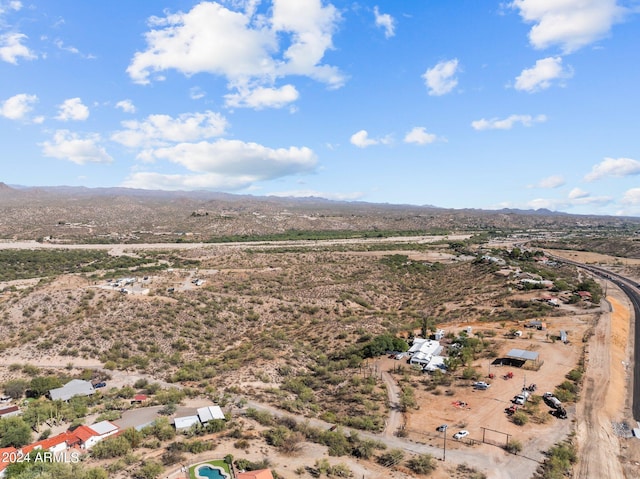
185, 422
104, 428
75, 387
209, 413
422, 350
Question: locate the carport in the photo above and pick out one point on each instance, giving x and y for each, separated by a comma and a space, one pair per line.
518, 357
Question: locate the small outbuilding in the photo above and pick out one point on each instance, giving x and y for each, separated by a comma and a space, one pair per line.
209, 413
518, 357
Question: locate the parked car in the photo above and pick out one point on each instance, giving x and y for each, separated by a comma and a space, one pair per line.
481, 385
100, 385
519, 399
461, 434
442, 427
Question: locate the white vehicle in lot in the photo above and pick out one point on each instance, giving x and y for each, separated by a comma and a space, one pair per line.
461, 434
481, 385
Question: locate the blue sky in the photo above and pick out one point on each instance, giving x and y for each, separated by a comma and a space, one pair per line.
452, 103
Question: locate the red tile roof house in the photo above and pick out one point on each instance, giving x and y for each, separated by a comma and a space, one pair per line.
55, 444
585, 295
259, 474
7, 456
139, 398
89, 436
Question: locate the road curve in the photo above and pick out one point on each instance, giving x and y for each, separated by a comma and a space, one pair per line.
632, 290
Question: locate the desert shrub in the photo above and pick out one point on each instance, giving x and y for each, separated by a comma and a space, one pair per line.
575, 375
112, 447
149, 470
469, 472
559, 460
520, 418
514, 446
422, 464
391, 458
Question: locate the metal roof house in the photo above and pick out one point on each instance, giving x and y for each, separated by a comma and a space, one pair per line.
185, 422
208, 413
75, 387
423, 350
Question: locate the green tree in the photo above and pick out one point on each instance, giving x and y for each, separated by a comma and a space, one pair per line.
14, 432
16, 388
112, 447
149, 470
41, 385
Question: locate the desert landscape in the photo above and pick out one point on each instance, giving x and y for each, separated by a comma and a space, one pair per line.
291, 338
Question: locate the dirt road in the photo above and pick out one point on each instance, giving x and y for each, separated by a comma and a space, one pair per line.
602, 398
395, 420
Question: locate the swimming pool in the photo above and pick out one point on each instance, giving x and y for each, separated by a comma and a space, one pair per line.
207, 471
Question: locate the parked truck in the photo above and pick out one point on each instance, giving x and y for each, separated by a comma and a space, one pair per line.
552, 401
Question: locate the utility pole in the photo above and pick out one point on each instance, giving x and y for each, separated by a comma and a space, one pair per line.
444, 436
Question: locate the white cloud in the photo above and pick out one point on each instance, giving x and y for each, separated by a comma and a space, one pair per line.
542, 75
243, 46
575, 198
225, 164
195, 93
571, 24
127, 106
361, 139
616, 167
11, 5
158, 181
238, 158
577, 193
420, 136
60, 44
18, 106
319, 194
11, 42
385, 21
70, 146
12, 48
73, 109
441, 79
590, 200
550, 182
262, 97
158, 130
631, 197
311, 26
507, 123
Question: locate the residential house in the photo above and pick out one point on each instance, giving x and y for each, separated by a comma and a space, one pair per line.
10, 411
185, 422
259, 474
6, 454
55, 444
89, 436
423, 350
75, 387
208, 413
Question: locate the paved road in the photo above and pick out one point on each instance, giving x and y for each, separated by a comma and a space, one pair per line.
632, 290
